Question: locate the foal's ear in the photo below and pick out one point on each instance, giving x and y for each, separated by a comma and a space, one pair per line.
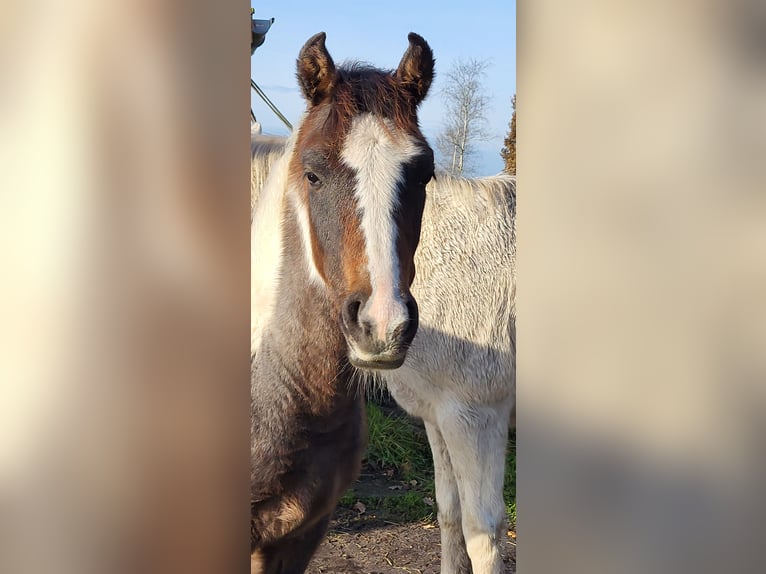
316, 70
416, 70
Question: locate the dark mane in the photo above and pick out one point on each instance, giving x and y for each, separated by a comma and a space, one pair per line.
362, 88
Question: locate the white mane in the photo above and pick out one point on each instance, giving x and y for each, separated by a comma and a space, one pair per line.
264, 151
474, 193
268, 201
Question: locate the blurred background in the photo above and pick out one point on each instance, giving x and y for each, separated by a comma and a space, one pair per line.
124, 359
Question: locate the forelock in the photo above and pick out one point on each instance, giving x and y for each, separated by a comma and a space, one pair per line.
361, 89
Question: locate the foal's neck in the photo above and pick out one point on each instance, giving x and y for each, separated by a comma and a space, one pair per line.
306, 331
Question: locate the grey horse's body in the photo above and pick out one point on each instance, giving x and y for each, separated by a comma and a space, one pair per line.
460, 371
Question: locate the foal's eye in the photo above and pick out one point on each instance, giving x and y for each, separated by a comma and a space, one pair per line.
312, 177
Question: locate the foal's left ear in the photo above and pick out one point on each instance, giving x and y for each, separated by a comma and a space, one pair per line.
316, 70
416, 70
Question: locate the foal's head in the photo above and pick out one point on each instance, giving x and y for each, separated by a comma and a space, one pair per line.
357, 179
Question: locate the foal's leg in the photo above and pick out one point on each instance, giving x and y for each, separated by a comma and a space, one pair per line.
291, 555
454, 557
476, 438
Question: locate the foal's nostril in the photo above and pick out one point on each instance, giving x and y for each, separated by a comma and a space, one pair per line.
351, 308
412, 308
413, 319
406, 328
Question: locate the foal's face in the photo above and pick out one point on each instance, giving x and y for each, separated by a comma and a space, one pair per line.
359, 173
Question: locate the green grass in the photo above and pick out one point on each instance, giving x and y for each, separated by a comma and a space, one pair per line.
397, 443
509, 487
398, 449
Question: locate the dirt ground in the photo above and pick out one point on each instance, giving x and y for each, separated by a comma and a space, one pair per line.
386, 524
365, 544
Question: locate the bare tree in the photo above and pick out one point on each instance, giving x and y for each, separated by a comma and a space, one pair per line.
465, 106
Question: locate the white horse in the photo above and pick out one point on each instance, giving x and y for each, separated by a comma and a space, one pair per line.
460, 371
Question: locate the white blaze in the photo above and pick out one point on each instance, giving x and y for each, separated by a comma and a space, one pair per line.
377, 159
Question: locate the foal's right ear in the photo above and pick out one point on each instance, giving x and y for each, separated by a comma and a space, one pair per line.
316, 70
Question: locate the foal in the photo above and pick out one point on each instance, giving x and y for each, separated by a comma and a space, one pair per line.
334, 237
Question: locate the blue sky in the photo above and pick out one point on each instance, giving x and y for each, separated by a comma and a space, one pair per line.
376, 32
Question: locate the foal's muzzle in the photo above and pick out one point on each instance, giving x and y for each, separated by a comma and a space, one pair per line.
378, 341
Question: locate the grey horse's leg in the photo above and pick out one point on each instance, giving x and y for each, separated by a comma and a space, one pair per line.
454, 557
476, 439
